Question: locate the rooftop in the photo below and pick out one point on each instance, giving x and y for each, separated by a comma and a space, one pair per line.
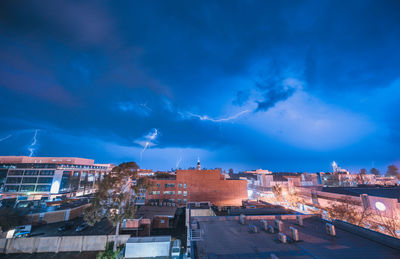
44, 160
385, 192
228, 239
149, 239
150, 212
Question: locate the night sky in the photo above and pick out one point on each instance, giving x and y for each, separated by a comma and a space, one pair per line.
279, 85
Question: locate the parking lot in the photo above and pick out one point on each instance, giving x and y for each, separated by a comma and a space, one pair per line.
103, 227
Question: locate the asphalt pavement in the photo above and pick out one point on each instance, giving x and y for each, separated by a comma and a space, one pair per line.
103, 227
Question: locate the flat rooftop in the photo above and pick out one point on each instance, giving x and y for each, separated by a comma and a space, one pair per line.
150, 212
229, 239
385, 192
45, 160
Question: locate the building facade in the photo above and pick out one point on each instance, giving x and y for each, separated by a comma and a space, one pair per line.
41, 177
198, 186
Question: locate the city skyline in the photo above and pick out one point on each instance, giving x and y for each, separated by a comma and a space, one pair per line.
281, 86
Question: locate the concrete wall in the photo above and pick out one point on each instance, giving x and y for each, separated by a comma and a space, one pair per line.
252, 217
58, 244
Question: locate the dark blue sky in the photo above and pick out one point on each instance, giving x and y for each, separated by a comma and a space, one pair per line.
280, 85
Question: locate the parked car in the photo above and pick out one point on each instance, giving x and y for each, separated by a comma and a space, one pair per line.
22, 231
65, 227
176, 248
82, 227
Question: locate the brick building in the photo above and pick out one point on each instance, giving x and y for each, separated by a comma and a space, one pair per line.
198, 186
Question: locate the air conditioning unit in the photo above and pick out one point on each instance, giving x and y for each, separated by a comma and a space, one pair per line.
270, 229
282, 238
242, 219
299, 220
253, 228
330, 229
264, 224
294, 234
278, 225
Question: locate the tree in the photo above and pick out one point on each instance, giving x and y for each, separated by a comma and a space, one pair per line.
114, 199
347, 210
363, 171
393, 171
389, 221
277, 190
375, 171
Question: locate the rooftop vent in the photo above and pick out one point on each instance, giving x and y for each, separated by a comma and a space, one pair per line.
294, 234
282, 238
270, 229
253, 228
279, 225
299, 220
264, 224
242, 219
330, 229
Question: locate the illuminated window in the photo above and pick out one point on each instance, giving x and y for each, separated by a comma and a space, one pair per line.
185, 193
27, 188
179, 193
180, 185
184, 185
162, 221
169, 192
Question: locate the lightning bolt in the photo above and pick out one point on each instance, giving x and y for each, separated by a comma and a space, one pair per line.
32, 148
179, 160
6, 137
149, 140
207, 118
144, 149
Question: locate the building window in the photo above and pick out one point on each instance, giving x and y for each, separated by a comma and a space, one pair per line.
184, 201
155, 193
169, 185
179, 193
47, 172
15, 172
45, 180
185, 193
31, 172
27, 188
179, 200
29, 180
12, 188
169, 192
13, 180
184, 185
43, 188
180, 185
162, 221
158, 185
171, 200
